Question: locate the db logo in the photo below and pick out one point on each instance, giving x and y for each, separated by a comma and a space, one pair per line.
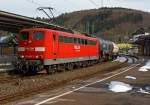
77, 47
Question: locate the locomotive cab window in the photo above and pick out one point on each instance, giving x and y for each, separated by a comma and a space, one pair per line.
38, 35
24, 35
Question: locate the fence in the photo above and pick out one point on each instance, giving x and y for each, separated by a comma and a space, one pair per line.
7, 50
7, 56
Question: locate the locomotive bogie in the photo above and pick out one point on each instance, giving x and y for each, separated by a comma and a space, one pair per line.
28, 66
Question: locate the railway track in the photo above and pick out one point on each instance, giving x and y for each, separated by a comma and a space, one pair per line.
41, 88
6, 78
51, 83
14, 78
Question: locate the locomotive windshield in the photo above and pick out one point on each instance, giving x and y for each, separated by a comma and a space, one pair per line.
24, 36
38, 35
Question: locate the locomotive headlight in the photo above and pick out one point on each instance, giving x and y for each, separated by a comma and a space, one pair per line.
22, 56
36, 57
40, 49
21, 48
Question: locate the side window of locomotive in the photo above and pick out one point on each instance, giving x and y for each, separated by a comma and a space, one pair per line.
70, 40
24, 35
93, 43
88, 42
38, 35
60, 38
65, 39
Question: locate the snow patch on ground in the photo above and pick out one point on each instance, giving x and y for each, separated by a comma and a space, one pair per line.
120, 59
145, 67
143, 91
130, 60
135, 60
130, 77
116, 86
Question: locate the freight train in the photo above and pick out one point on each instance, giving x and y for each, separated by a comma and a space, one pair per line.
50, 50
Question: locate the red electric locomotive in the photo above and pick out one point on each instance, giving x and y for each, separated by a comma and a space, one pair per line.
40, 48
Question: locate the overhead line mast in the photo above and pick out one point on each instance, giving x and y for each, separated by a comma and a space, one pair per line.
50, 10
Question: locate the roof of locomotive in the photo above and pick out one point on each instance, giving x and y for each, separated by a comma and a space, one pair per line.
62, 33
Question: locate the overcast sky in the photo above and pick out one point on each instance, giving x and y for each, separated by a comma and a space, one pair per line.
29, 7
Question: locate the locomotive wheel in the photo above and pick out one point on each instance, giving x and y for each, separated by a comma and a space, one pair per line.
80, 64
69, 66
47, 69
24, 70
85, 63
30, 70
89, 63
34, 70
60, 68
93, 62
50, 69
